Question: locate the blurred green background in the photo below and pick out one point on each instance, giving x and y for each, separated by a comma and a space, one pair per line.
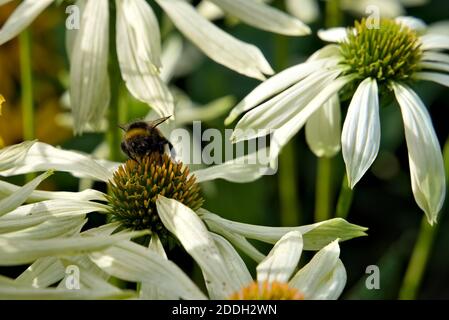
383, 199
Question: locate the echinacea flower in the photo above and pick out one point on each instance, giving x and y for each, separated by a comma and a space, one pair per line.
138, 47
46, 231
371, 61
226, 275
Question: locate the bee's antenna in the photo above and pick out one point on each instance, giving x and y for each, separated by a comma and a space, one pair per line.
122, 126
159, 121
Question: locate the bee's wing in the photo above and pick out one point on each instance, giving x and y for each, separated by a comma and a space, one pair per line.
156, 122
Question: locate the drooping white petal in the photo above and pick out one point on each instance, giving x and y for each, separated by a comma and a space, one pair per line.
264, 17
435, 56
13, 155
138, 50
360, 137
21, 18
439, 78
272, 86
16, 199
323, 129
50, 228
89, 82
337, 34
315, 236
276, 112
282, 135
7, 189
132, 262
282, 259
424, 153
217, 44
243, 169
172, 52
306, 10
9, 290
16, 252
234, 262
42, 273
434, 42
322, 277
438, 66
439, 27
196, 240
42, 156
412, 22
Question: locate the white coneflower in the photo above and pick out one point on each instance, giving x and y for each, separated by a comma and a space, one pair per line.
370, 61
138, 47
225, 274
49, 226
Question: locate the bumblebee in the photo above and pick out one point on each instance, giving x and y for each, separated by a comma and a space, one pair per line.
142, 138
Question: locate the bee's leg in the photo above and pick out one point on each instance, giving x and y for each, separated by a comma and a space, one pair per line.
171, 149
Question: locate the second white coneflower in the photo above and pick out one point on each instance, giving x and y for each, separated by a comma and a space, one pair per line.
367, 62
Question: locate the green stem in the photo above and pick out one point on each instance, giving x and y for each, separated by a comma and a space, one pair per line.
323, 189
27, 85
290, 208
333, 14
344, 199
423, 247
418, 261
288, 191
26, 79
114, 135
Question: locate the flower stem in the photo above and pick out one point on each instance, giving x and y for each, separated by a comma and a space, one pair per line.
26, 78
323, 189
333, 15
114, 137
418, 261
290, 208
344, 199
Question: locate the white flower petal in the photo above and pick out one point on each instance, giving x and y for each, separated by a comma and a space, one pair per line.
196, 240
264, 17
412, 22
138, 50
386, 8
438, 66
282, 135
16, 199
172, 52
278, 111
306, 10
316, 277
7, 189
42, 273
209, 10
439, 27
323, 129
315, 236
439, 78
15, 291
21, 18
424, 153
435, 56
282, 259
233, 261
50, 228
15, 252
337, 34
12, 155
434, 42
42, 156
89, 82
132, 262
272, 86
217, 44
360, 137
240, 170
208, 112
